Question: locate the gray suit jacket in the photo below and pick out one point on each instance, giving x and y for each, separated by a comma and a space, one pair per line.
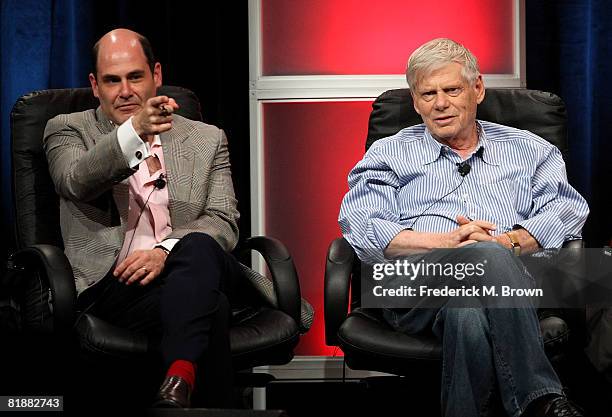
90, 175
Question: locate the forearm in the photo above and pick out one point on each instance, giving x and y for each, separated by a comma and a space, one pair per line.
82, 172
412, 240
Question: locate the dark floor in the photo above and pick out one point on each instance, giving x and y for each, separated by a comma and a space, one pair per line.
38, 369
392, 396
372, 397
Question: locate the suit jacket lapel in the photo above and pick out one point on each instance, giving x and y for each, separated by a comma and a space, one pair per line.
103, 124
179, 160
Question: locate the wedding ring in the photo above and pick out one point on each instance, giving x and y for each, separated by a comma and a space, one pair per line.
144, 269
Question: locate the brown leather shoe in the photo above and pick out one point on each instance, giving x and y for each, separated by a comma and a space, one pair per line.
173, 393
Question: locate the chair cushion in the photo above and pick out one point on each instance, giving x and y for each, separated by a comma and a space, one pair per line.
370, 343
257, 337
102, 338
264, 338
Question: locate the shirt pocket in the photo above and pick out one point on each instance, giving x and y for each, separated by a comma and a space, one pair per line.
417, 194
497, 202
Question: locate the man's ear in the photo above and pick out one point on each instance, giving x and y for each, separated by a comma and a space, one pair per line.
414, 102
157, 74
479, 89
94, 85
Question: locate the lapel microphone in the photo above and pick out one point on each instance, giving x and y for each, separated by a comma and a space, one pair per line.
161, 182
464, 168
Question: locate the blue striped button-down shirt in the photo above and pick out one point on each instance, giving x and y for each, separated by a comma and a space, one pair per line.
516, 179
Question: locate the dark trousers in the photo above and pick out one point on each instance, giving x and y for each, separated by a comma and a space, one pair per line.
185, 311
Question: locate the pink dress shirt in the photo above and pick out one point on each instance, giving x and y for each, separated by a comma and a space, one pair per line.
154, 223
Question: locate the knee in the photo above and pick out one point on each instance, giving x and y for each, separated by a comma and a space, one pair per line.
489, 250
468, 324
498, 264
199, 246
199, 241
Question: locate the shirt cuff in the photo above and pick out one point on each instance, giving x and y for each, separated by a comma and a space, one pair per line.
168, 244
382, 232
134, 149
546, 228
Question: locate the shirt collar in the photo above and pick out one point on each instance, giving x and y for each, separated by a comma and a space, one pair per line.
485, 148
156, 141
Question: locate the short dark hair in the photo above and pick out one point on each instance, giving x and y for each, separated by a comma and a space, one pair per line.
146, 48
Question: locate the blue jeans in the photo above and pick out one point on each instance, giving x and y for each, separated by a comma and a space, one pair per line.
487, 352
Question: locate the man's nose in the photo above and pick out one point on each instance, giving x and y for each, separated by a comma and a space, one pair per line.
126, 89
441, 101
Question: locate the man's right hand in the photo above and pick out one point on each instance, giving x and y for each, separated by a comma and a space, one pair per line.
155, 117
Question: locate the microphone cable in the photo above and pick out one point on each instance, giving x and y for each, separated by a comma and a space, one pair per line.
159, 183
464, 168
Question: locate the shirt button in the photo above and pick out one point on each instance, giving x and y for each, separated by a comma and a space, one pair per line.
138, 154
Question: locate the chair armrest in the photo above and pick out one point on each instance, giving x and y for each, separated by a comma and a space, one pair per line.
573, 262
58, 272
338, 268
573, 244
284, 275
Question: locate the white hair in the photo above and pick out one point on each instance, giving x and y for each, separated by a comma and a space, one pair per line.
438, 53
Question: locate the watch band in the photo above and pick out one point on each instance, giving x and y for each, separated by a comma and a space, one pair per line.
516, 246
165, 249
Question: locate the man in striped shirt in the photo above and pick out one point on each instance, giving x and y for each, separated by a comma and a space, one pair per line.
488, 190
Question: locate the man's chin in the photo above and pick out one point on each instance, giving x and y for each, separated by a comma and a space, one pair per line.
443, 135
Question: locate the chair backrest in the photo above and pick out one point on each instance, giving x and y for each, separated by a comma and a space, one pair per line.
537, 111
35, 202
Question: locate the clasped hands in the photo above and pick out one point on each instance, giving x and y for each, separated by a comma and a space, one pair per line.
155, 117
472, 231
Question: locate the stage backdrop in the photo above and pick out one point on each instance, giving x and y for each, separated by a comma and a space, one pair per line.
316, 67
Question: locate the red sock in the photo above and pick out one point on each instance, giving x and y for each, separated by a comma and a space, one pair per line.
185, 370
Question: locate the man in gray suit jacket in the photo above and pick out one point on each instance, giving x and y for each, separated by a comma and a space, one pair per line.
147, 209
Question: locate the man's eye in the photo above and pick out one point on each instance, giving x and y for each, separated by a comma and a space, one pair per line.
453, 91
428, 95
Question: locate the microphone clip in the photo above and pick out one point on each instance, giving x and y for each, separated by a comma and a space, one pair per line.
464, 168
160, 182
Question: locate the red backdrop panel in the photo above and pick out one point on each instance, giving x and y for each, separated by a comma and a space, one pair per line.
376, 37
309, 149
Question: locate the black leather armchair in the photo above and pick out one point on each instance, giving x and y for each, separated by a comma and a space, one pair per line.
263, 331
368, 342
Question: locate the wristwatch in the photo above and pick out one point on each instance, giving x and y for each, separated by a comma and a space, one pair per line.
516, 246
